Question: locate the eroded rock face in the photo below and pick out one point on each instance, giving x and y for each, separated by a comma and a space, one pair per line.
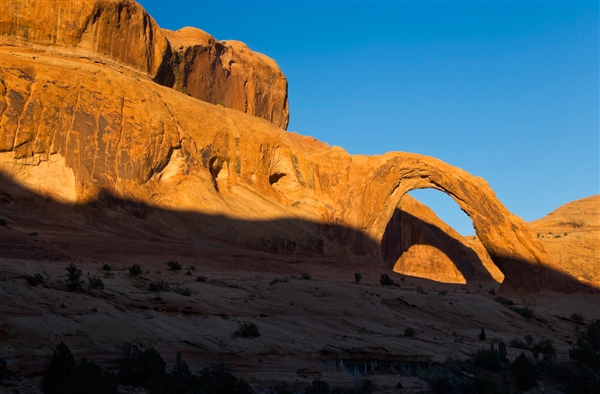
122, 31
132, 143
116, 140
227, 73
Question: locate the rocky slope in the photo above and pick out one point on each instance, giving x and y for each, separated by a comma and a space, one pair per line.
571, 236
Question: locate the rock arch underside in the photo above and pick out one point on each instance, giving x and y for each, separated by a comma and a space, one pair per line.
82, 131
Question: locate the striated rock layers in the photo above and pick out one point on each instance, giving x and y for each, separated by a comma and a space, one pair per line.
121, 31
114, 142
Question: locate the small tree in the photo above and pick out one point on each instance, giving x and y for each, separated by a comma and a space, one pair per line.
247, 330
385, 280
410, 332
181, 370
135, 270
357, 277
73, 278
59, 371
524, 372
482, 335
95, 283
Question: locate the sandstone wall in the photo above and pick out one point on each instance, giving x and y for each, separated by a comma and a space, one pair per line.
229, 74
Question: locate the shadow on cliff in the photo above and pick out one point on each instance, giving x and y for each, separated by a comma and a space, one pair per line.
405, 230
112, 219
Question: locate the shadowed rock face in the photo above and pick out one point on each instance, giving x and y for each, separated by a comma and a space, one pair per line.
77, 130
188, 60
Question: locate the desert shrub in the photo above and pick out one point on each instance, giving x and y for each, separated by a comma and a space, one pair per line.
420, 290
73, 278
357, 277
504, 301
188, 273
174, 265
528, 339
518, 344
482, 334
306, 276
106, 267
218, 382
33, 234
546, 348
586, 381
184, 291
577, 317
201, 278
524, 371
193, 267
492, 359
2, 222
279, 280
135, 270
385, 280
480, 385
317, 387
492, 291
34, 280
142, 368
3, 370
410, 332
95, 283
525, 311
247, 330
593, 335
443, 292
158, 285
585, 353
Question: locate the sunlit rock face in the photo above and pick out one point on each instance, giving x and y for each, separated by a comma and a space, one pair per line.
115, 139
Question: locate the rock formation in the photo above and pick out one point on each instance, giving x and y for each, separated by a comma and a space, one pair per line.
121, 31
78, 130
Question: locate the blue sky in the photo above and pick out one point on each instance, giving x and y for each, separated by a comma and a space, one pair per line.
505, 90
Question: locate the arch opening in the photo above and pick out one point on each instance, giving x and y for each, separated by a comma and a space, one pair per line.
417, 242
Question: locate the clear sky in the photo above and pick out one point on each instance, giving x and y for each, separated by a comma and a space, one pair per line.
508, 91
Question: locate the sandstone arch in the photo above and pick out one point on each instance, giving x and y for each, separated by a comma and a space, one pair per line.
506, 237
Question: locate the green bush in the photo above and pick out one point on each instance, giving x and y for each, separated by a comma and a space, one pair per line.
247, 330
73, 278
492, 359
318, 387
577, 317
135, 270
519, 344
357, 277
279, 280
586, 381
201, 278
482, 335
504, 301
524, 371
585, 353
306, 276
385, 280
546, 348
410, 332
188, 273
174, 265
2, 222
184, 291
106, 267
95, 283
525, 311
34, 280
158, 285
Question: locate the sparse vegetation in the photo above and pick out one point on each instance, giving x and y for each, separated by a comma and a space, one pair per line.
492, 291
482, 335
73, 278
385, 280
420, 290
492, 359
519, 344
135, 270
546, 348
106, 267
410, 332
188, 273
193, 267
34, 280
577, 317
174, 265
184, 291
504, 301
306, 276
357, 277
95, 283
279, 280
524, 371
158, 285
2, 222
525, 311
247, 330
443, 292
